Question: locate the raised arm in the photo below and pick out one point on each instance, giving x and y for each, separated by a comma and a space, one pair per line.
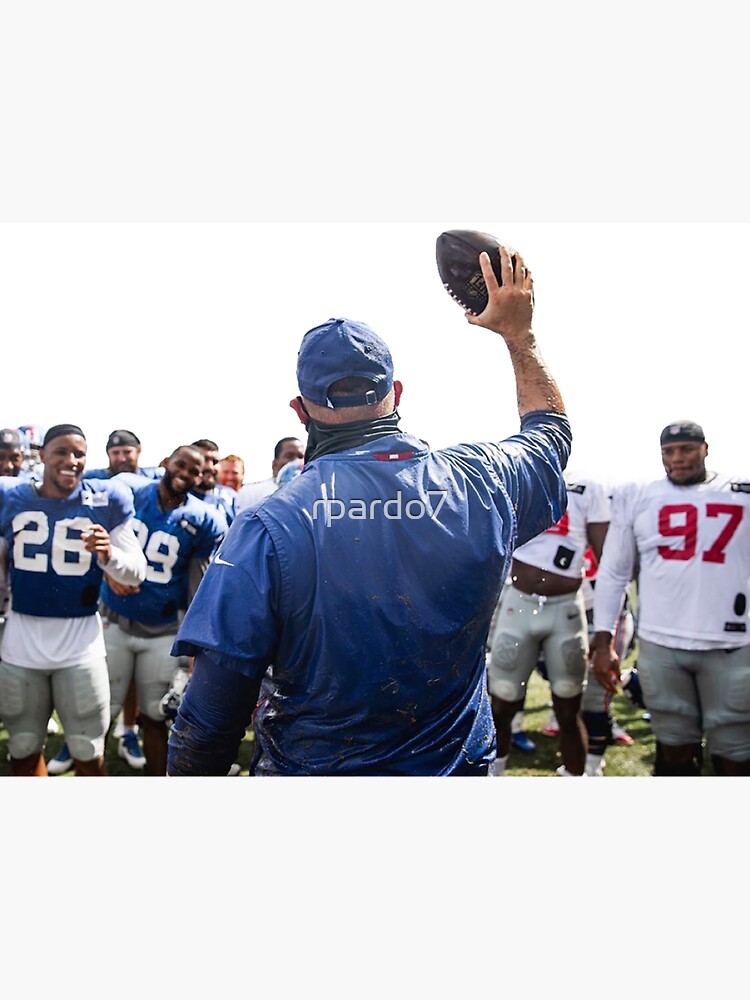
509, 312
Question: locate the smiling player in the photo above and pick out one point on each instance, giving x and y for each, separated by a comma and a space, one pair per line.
58, 538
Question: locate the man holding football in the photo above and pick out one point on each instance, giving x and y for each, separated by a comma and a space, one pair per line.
375, 624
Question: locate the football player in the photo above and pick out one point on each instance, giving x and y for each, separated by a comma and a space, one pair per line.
124, 452
59, 537
542, 610
178, 534
690, 535
208, 488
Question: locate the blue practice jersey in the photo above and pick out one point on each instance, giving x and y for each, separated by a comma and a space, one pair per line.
52, 575
221, 500
148, 472
170, 540
368, 583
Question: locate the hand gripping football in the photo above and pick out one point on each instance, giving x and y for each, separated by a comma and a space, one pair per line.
457, 252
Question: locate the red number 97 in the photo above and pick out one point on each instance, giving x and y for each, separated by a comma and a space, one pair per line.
688, 530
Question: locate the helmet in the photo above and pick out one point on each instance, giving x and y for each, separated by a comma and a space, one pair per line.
31, 435
170, 703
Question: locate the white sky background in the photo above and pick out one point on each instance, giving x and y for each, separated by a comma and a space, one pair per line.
180, 331
146, 148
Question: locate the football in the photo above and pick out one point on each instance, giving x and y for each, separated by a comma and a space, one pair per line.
457, 252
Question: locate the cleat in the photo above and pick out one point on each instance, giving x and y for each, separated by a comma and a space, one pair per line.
563, 772
52, 727
551, 727
233, 771
620, 736
523, 742
129, 749
62, 763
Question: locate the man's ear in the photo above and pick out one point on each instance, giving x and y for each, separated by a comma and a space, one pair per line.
397, 390
296, 405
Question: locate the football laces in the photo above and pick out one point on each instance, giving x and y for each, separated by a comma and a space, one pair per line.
455, 298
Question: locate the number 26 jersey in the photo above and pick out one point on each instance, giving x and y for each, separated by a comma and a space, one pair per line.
52, 574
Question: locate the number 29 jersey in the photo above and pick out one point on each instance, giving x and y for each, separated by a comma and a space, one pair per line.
169, 539
693, 549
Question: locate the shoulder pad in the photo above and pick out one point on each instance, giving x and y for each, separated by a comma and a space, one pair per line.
740, 487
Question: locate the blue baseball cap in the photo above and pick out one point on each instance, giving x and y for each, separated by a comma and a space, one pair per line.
343, 348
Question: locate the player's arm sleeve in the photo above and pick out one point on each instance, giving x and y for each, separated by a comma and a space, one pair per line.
615, 568
213, 717
236, 610
232, 629
531, 468
127, 563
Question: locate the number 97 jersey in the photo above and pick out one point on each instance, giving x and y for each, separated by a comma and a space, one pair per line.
693, 545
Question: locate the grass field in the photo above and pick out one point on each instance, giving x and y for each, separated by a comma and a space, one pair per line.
115, 766
622, 761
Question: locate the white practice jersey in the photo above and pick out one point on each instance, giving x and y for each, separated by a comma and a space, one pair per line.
692, 544
561, 549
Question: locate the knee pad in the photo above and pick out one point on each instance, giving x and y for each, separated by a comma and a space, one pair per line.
572, 669
566, 688
152, 709
505, 690
84, 749
504, 679
24, 745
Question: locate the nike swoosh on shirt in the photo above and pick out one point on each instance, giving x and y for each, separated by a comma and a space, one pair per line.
221, 562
